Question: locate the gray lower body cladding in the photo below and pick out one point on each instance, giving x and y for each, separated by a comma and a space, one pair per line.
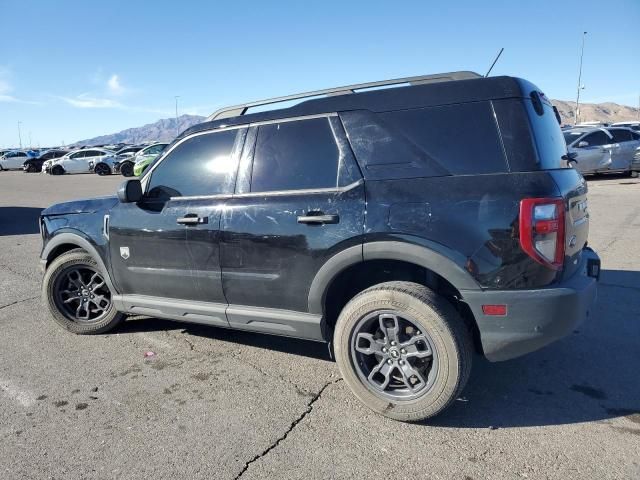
535, 317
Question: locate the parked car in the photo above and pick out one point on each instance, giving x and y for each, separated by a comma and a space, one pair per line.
78, 161
359, 219
33, 165
104, 165
632, 125
635, 164
600, 150
13, 160
147, 157
128, 151
143, 157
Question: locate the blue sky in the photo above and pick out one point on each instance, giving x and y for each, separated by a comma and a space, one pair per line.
75, 69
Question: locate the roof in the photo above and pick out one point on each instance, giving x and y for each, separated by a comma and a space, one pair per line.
450, 88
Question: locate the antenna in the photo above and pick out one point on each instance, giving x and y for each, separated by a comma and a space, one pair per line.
494, 62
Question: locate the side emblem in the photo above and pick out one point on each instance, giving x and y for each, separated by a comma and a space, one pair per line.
124, 252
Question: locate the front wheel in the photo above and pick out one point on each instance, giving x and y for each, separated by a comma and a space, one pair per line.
126, 169
404, 351
78, 296
57, 170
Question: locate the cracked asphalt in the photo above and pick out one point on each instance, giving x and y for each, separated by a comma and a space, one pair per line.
213, 403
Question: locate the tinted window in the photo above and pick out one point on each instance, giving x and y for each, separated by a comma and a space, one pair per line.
154, 150
201, 165
461, 138
635, 135
550, 142
620, 135
597, 138
295, 155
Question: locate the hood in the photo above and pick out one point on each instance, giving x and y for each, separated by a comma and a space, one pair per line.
88, 205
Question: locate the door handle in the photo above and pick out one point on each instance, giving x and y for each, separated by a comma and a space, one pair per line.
318, 219
192, 219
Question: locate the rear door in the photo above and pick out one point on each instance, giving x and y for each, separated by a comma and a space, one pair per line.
594, 152
299, 200
624, 149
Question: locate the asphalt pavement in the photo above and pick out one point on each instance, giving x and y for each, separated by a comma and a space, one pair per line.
213, 403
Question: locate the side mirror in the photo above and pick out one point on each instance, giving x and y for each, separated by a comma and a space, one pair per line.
130, 191
583, 144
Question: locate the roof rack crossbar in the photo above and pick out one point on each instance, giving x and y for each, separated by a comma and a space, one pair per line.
241, 109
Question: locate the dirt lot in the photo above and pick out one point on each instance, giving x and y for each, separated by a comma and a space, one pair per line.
214, 403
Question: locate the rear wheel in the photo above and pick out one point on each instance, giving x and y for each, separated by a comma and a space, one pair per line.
77, 294
31, 168
57, 170
404, 351
126, 169
102, 169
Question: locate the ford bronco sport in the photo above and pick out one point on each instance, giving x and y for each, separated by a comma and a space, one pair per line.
406, 226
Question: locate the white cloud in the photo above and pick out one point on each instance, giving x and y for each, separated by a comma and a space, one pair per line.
86, 101
114, 85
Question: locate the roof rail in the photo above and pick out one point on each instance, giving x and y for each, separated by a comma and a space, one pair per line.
241, 109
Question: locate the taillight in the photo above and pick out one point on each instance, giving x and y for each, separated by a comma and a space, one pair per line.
542, 230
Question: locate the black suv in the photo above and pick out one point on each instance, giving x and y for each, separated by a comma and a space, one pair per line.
407, 226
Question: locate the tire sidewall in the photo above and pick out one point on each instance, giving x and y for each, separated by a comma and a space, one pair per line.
75, 257
429, 316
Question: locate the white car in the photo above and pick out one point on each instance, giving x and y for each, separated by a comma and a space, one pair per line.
79, 161
13, 160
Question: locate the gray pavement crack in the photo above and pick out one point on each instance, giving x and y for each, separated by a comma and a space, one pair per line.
19, 301
298, 388
292, 426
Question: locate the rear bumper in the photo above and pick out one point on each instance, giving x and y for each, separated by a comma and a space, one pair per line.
537, 317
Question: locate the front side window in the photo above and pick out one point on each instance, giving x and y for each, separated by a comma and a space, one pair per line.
596, 139
200, 165
295, 155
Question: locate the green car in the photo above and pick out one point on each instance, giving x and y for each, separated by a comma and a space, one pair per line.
145, 156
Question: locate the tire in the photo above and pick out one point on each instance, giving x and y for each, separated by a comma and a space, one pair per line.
126, 169
31, 168
60, 278
102, 169
57, 170
440, 331
634, 174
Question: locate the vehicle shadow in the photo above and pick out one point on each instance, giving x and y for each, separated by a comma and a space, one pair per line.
19, 220
589, 376
293, 346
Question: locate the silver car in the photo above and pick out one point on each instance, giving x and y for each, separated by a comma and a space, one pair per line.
599, 150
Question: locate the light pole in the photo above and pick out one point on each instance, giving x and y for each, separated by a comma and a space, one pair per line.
19, 134
580, 87
177, 129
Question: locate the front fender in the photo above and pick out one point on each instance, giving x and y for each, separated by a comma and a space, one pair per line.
79, 240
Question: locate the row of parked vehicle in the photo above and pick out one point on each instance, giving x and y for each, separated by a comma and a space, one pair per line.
604, 149
129, 160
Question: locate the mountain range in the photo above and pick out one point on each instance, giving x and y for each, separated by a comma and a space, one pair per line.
165, 129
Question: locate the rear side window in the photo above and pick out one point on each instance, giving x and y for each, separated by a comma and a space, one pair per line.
295, 155
620, 135
201, 165
461, 138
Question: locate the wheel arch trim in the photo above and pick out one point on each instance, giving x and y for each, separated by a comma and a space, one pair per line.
419, 255
68, 238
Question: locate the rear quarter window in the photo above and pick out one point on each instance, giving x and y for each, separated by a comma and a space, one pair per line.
548, 137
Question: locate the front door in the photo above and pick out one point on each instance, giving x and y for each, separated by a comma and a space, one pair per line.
595, 152
300, 202
166, 246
